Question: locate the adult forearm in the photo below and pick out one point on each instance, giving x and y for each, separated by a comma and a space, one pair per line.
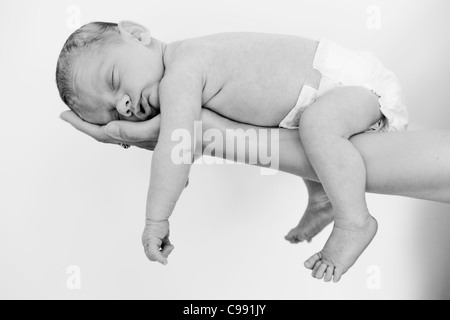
411, 164
292, 156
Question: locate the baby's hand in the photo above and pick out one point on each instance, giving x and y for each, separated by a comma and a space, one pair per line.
156, 241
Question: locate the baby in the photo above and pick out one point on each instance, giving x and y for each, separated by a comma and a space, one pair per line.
110, 72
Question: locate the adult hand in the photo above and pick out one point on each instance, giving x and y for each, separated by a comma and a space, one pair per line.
139, 134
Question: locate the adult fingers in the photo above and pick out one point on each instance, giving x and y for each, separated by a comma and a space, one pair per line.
95, 131
133, 132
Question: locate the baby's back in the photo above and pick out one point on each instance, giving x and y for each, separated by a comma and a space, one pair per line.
253, 78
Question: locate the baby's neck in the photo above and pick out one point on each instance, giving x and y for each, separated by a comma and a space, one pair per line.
160, 48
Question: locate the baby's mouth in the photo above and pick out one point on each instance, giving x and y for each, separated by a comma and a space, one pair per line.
144, 110
153, 111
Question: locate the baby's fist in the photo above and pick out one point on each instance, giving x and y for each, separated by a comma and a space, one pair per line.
156, 241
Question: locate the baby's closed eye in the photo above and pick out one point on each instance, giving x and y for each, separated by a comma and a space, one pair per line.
114, 82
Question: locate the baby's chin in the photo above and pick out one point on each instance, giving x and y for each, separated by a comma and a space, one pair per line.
154, 112
133, 118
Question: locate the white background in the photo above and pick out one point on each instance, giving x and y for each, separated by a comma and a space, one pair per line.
68, 200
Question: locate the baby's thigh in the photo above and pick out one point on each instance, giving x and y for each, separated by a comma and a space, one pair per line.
344, 110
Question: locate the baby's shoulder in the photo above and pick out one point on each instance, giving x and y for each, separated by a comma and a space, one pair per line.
185, 66
184, 69
187, 55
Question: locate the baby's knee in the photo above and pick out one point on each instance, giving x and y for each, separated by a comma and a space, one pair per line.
311, 122
344, 112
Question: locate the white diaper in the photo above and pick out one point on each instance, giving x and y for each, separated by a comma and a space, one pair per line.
343, 67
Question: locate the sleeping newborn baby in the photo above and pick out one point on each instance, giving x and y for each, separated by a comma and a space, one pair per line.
110, 72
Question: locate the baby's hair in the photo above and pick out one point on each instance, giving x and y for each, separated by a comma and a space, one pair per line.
92, 36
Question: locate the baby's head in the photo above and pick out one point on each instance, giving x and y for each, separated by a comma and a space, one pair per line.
110, 72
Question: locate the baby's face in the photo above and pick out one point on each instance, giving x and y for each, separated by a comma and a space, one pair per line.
120, 82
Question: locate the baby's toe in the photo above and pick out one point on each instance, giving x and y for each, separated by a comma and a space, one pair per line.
321, 271
329, 274
293, 236
338, 273
316, 268
311, 262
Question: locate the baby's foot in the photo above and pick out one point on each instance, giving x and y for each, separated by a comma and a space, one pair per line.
342, 250
317, 217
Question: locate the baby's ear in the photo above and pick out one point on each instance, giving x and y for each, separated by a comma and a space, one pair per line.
135, 31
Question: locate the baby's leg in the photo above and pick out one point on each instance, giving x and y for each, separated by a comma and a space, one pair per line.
325, 130
318, 215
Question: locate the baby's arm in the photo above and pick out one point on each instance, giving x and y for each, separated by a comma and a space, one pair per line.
181, 102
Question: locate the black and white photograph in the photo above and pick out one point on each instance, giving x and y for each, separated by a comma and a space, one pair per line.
225, 151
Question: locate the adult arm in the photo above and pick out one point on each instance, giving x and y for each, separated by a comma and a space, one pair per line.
410, 164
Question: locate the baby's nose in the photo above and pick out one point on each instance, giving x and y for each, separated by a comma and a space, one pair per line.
124, 106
